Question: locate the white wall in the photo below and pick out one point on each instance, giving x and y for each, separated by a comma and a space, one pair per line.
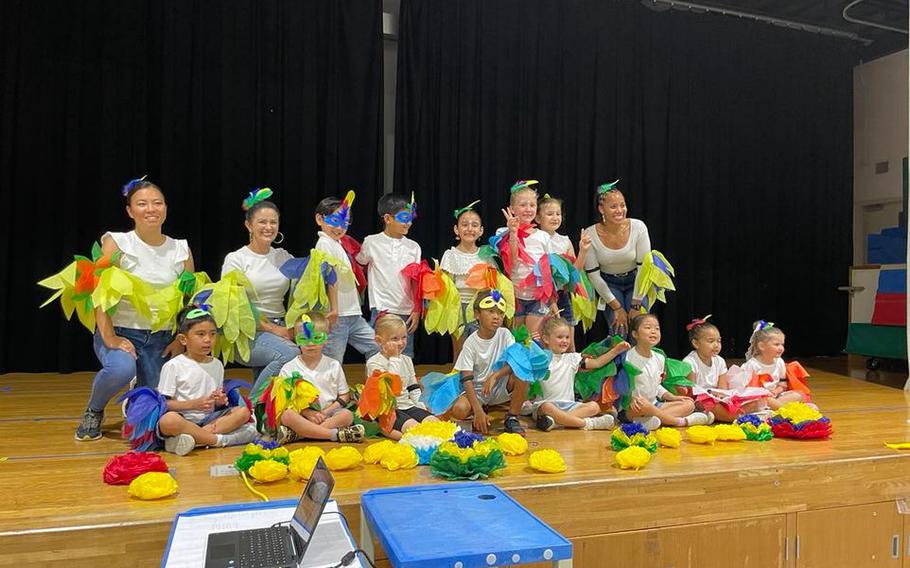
880, 102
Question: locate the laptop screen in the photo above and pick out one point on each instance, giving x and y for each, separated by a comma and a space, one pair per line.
312, 502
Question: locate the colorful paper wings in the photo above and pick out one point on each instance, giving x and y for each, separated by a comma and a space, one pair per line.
655, 277
435, 297
313, 275
484, 276
228, 301
439, 391
275, 396
377, 400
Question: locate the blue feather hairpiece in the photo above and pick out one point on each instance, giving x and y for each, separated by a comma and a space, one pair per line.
128, 187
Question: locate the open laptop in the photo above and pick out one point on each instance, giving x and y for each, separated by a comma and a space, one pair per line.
281, 546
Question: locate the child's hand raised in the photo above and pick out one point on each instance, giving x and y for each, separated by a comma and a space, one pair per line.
511, 220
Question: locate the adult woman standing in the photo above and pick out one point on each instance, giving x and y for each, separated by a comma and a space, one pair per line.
124, 342
618, 247
260, 262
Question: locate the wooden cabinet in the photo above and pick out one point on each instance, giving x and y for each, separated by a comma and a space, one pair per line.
752, 543
862, 535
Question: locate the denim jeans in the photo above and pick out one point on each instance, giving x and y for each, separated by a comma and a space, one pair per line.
268, 354
622, 287
409, 348
353, 331
118, 367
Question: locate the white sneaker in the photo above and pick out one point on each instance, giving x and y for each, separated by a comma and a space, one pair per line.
699, 419
131, 386
181, 444
710, 416
651, 422
603, 422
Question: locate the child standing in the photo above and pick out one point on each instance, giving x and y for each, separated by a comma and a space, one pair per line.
480, 351
526, 245
347, 326
651, 403
392, 336
386, 254
332, 421
549, 219
558, 404
764, 359
198, 412
458, 261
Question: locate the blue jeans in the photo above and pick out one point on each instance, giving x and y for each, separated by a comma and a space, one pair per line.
409, 348
622, 286
353, 331
118, 367
268, 354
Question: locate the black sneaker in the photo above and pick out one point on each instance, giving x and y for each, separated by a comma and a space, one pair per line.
545, 423
90, 427
513, 426
351, 434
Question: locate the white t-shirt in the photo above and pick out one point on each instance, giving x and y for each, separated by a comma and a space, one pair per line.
264, 274
777, 370
478, 355
348, 299
560, 387
601, 259
457, 264
706, 376
559, 244
328, 377
647, 384
158, 266
404, 368
184, 379
386, 258
536, 245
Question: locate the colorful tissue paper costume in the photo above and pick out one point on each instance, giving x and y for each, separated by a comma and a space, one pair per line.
668, 437
584, 302
512, 444
499, 251
756, 429
729, 433
228, 300
443, 313
312, 276
633, 457
483, 276
655, 277
801, 421
676, 375
302, 462
632, 434
144, 409
527, 360
547, 461
478, 461
439, 391
796, 378
122, 469
342, 458
168, 301
352, 248
549, 275
97, 282
278, 394
377, 399
597, 384
701, 435
427, 436
152, 485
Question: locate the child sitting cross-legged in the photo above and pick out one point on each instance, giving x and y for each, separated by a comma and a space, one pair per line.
198, 412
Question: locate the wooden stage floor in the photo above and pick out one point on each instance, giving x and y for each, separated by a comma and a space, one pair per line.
56, 510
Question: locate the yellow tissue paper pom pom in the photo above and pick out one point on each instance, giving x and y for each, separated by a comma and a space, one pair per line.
512, 444
797, 412
633, 457
399, 456
701, 434
442, 429
344, 457
729, 433
153, 485
374, 452
253, 449
303, 461
280, 452
268, 470
668, 437
547, 461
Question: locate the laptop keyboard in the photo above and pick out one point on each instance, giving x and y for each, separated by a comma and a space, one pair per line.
265, 548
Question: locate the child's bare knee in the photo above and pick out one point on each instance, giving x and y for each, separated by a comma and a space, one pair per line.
345, 416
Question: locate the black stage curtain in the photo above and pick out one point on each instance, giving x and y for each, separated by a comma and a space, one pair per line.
733, 141
209, 98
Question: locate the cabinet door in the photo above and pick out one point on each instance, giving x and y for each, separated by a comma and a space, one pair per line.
749, 543
862, 535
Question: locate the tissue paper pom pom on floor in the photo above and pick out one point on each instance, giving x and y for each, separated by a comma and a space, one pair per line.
729, 433
512, 444
547, 461
341, 458
122, 469
153, 485
633, 457
668, 437
374, 452
701, 434
399, 456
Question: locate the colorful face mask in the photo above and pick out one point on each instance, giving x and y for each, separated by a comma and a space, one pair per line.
341, 219
309, 336
409, 213
606, 188
494, 300
199, 312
